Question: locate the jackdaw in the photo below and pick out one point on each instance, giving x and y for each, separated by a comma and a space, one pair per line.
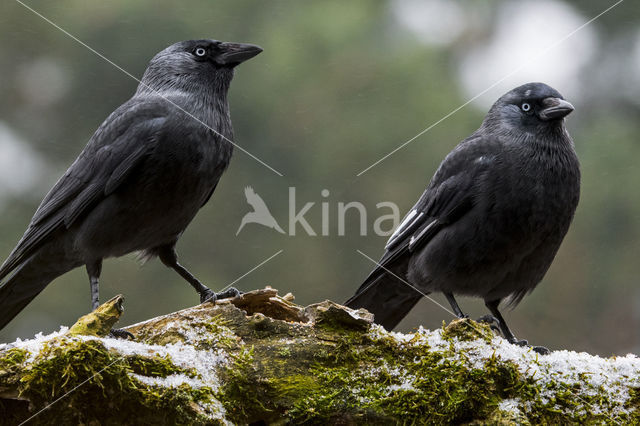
140, 180
492, 218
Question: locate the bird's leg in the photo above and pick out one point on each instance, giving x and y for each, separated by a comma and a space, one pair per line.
491, 321
169, 257
454, 306
506, 332
93, 270
504, 328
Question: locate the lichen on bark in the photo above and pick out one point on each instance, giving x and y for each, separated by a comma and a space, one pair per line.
261, 357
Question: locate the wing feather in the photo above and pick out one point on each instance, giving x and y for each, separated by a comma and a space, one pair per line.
450, 195
111, 155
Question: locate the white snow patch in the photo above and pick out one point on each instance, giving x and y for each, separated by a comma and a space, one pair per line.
400, 337
405, 386
510, 406
613, 376
33, 346
172, 381
400, 375
205, 362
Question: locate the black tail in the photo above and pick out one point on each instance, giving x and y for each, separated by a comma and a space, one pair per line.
26, 282
386, 297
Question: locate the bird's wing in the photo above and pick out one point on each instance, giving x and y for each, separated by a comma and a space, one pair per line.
255, 200
114, 151
449, 196
208, 197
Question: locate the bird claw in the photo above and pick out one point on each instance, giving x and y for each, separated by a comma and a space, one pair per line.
209, 296
541, 350
491, 321
229, 293
118, 333
488, 319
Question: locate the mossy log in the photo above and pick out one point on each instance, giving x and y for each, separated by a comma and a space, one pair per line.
260, 358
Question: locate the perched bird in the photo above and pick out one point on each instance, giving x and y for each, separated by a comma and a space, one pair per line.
140, 180
260, 214
492, 218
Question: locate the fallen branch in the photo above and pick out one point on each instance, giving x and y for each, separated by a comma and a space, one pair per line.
261, 357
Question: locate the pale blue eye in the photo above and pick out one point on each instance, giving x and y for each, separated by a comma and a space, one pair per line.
200, 51
525, 107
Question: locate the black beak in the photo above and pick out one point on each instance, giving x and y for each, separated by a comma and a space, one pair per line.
555, 109
236, 53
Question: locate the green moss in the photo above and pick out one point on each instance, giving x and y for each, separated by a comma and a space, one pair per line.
100, 380
284, 352
335, 372
205, 332
215, 325
499, 417
157, 366
100, 321
386, 380
581, 406
218, 333
238, 394
343, 375
378, 382
11, 363
445, 390
12, 358
633, 404
166, 338
467, 330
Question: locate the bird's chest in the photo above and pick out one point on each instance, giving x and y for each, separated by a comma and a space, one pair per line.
535, 200
186, 170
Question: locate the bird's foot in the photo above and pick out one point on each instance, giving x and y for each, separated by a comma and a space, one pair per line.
118, 333
488, 319
229, 293
209, 296
539, 349
491, 321
517, 342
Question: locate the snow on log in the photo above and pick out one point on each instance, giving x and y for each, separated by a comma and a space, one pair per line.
261, 358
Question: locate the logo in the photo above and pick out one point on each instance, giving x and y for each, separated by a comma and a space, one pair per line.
260, 214
383, 225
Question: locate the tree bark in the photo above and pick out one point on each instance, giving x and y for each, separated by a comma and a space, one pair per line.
261, 358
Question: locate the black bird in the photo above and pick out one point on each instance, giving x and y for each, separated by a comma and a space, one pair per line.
140, 180
492, 218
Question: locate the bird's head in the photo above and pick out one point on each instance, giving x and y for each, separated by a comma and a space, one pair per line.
196, 60
530, 106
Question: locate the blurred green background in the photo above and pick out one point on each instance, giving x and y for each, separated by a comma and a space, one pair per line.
339, 85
